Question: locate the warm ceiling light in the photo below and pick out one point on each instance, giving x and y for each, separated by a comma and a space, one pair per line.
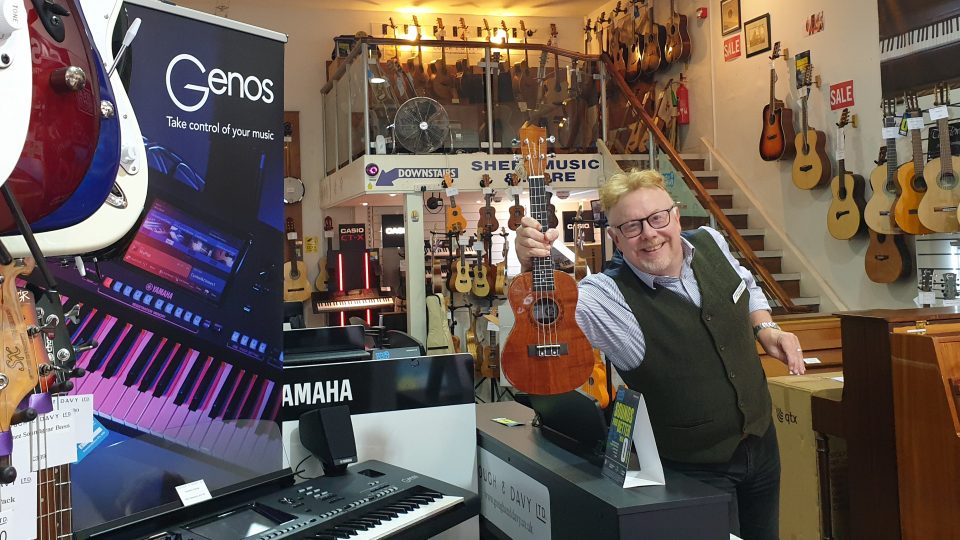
365, 204
393, 194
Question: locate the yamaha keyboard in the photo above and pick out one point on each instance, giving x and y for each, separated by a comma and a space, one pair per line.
371, 500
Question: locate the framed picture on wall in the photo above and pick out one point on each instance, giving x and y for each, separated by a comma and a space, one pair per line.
756, 33
729, 16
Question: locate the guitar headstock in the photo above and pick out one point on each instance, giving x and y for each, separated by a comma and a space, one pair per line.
533, 149
926, 279
20, 369
487, 28
889, 107
587, 30
463, 29
447, 180
328, 223
441, 32
844, 118
600, 21
291, 228
416, 24
942, 95
912, 104
618, 9
506, 31
553, 35
776, 51
808, 76
485, 181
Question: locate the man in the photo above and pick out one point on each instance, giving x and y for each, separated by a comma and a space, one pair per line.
678, 316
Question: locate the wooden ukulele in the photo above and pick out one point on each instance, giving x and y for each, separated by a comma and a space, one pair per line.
481, 276
488, 214
938, 207
552, 220
489, 344
911, 178
678, 38
323, 278
654, 41
460, 273
517, 211
456, 223
879, 213
443, 85
500, 282
845, 217
296, 286
887, 259
546, 352
777, 121
811, 167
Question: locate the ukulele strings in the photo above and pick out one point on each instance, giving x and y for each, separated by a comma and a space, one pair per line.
538, 262
546, 263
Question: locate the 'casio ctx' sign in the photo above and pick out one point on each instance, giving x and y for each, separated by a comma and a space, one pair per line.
353, 237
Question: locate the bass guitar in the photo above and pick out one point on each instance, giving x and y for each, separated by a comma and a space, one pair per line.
456, 223
887, 259
777, 120
878, 214
678, 47
811, 167
911, 179
546, 352
296, 287
938, 207
15, 90
845, 216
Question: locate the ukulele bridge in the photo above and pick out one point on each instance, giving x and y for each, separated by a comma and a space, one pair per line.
541, 351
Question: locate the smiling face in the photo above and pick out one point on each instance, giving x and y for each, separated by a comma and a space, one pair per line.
655, 251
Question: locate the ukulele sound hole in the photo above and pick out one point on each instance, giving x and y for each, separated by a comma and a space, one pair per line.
546, 311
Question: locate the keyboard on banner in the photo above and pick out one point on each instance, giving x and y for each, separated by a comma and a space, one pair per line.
920, 57
150, 377
371, 500
931, 36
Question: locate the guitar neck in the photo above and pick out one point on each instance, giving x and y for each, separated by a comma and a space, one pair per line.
54, 505
773, 84
891, 151
946, 161
918, 161
542, 266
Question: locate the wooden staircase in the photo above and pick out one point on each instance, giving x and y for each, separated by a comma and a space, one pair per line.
740, 217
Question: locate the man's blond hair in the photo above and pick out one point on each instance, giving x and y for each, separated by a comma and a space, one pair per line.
621, 184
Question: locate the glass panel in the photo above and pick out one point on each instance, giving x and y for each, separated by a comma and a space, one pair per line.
330, 130
386, 89
467, 108
357, 74
343, 121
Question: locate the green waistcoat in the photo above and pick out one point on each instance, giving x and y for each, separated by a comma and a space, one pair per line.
701, 376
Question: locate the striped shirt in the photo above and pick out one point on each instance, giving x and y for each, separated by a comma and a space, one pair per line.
610, 325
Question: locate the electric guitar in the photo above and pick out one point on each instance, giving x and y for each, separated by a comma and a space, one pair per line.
323, 278
296, 287
456, 223
887, 259
546, 352
678, 38
938, 207
65, 119
845, 217
811, 167
488, 214
16, 90
109, 221
879, 213
777, 121
911, 179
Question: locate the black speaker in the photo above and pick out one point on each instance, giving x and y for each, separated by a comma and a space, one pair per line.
328, 434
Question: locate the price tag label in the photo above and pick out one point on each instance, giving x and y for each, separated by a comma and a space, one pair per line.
477, 246
915, 123
193, 493
891, 132
489, 191
813, 360
951, 302
926, 298
452, 192
938, 113
516, 191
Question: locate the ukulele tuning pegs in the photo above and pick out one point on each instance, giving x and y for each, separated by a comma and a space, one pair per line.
515, 142
552, 155
551, 139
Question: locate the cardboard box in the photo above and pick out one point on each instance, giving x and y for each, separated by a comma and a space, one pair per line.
799, 479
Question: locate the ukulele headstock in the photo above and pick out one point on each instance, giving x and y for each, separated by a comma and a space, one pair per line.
533, 149
485, 180
553, 35
463, 30
776, 51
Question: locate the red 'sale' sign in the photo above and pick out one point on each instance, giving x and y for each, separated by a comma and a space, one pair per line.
841, 95
731, 48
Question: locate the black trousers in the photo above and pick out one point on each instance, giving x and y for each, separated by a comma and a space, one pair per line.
752, 478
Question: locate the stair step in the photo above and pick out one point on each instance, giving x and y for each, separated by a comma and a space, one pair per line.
738, 216
754, 237
770, 259
790, 283
810, 302
723, 197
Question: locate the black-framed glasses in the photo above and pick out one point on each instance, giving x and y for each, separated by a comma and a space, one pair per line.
657, 220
